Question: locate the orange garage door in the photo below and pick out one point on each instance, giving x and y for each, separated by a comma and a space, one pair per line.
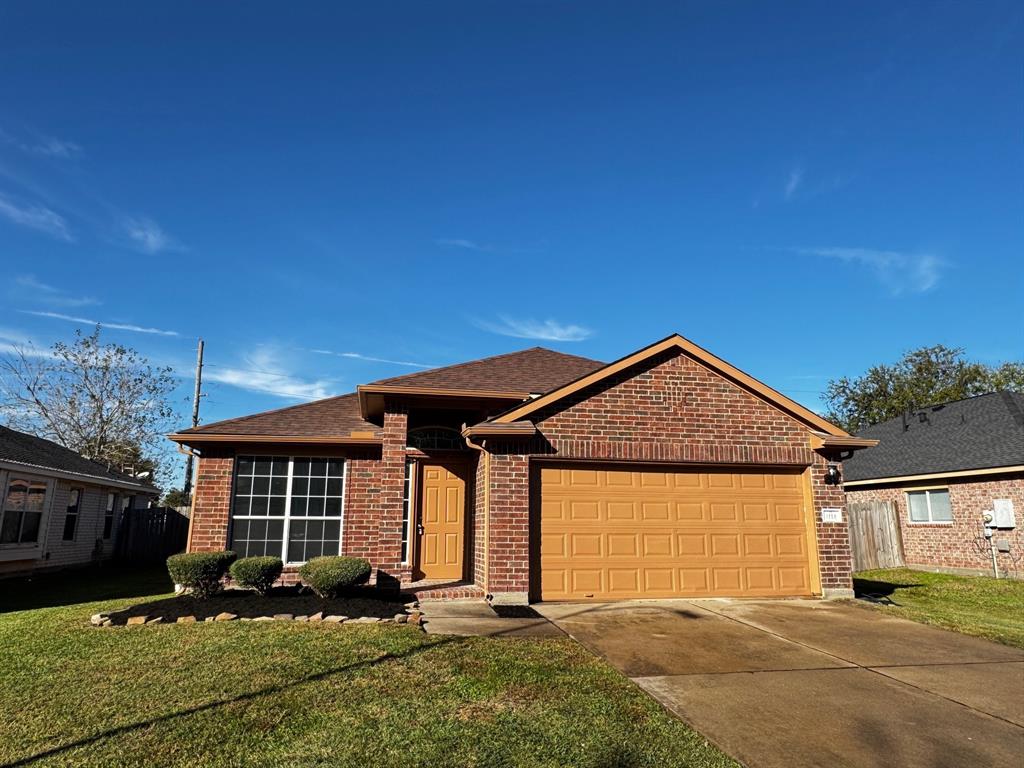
618, 534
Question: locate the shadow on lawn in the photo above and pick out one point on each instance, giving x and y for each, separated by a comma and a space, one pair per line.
249, 696
82, 585
878, 591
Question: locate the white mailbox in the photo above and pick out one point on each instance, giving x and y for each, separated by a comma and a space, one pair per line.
1002, 514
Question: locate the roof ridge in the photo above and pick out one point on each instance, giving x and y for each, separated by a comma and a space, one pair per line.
237, 419
489, 358
961, 400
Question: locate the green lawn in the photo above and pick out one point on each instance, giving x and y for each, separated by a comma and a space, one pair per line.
282, 694
974, 605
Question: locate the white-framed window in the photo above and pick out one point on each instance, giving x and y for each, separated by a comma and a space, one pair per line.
71, 514
930, 506
22, 513
289, 506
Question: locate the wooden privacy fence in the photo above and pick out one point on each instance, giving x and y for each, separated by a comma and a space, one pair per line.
874, 535
151, 535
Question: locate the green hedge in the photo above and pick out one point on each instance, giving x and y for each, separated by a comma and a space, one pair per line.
200, 572
257, 573
327, 575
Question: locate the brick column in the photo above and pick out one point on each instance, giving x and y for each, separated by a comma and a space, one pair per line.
211, 505
835, 560
508, 561
388, 506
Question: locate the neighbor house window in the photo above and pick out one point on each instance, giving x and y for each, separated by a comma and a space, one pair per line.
108, 515
290, 507
931, 506
71, 514
22, 512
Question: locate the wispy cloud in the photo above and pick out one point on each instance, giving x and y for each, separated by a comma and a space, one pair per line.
459, 242
52, 147
148, 236
545, 330
48, 146
15, 342
37, 217
264, 372
48, 294
793, 182
87, 321
357, 356
899, 271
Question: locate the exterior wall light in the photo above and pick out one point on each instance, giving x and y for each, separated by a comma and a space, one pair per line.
832, 476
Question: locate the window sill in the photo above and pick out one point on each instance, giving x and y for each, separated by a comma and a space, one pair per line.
935, 524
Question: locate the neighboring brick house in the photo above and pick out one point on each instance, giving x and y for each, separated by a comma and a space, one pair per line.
540, 475
59, 508
943, 467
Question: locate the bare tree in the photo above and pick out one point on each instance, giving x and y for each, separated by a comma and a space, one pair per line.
104, 401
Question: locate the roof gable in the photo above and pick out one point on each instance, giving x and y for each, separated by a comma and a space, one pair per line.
976, 433
700, 355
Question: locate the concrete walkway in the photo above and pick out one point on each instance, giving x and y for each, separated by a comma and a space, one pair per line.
809, 683
477, 618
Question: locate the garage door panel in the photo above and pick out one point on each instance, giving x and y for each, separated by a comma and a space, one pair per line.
660, 580
656, 510
554, 545
623, 545
757, 544
582, 545
725, 510
620, 534
788, 513
690, 510
657, 545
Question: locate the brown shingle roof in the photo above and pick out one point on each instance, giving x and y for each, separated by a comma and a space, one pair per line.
332, 417
533, 371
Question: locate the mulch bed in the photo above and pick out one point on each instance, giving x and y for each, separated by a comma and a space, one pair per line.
366, 601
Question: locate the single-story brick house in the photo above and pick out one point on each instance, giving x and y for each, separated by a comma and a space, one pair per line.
538, 475
59, 508
943, 467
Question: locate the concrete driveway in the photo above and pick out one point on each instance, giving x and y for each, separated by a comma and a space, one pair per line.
810, 683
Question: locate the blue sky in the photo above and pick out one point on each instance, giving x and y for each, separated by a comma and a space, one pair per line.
805, 189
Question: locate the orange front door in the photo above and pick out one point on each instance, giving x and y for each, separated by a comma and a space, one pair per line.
442, 519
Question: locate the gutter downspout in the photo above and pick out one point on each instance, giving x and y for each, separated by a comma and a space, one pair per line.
486, 457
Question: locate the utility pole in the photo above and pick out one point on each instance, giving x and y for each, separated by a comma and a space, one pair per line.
187, 490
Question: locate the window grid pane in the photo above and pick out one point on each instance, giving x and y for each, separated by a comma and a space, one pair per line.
263, 510
917, 501
938, 504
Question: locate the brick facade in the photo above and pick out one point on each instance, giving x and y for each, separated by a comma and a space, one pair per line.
211, 505
672, 409
959, 544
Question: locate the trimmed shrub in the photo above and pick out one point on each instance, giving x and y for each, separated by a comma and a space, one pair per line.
327, 575
200, 572
257, 573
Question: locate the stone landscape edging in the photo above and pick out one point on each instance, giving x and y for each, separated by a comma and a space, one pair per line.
412, 615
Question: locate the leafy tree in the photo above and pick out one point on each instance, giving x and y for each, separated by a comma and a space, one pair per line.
175, 497
922, 377
104, 401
